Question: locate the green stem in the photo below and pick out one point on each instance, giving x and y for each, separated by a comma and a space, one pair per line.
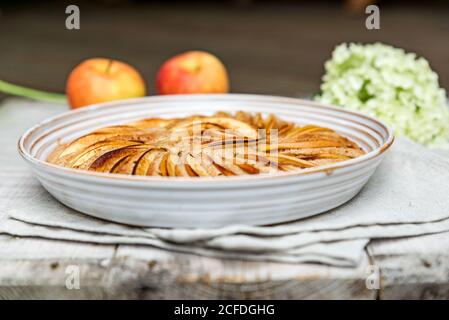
20, 91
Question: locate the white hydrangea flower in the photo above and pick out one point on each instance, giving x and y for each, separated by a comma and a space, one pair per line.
388, 83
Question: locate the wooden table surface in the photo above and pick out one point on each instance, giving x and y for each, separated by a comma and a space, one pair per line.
37, 268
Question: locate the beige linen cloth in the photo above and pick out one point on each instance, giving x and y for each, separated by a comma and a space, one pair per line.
407, 196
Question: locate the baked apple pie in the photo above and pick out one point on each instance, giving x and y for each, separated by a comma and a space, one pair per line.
220, 145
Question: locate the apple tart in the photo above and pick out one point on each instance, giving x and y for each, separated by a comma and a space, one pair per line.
219, 145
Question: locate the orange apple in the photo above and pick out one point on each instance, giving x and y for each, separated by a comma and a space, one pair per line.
192, 72
99, 80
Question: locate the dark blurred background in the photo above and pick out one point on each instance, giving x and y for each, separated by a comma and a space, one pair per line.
270, 47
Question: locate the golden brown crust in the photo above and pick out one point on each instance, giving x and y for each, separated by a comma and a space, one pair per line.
196, 146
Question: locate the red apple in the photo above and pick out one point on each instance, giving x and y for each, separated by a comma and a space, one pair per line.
99, 80
192, 72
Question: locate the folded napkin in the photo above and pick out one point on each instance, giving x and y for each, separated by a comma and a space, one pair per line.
407, 196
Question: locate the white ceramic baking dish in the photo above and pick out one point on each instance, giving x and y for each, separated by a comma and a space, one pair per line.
205, 202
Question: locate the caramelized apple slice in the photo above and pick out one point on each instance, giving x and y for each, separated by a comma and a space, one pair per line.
85, 158
129, 163
154, 168
242, 128
341, 151
99, 135
224, 164
202, 168
146, 161
114, 160
151, 123
285, 159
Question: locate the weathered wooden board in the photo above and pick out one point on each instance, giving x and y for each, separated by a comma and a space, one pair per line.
36, 268
162, 274
413, 268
